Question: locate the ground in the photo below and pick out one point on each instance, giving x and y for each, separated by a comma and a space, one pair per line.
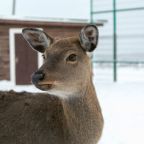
122, 104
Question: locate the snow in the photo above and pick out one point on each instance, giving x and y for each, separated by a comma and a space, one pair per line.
7, 85
123, 110
122, 104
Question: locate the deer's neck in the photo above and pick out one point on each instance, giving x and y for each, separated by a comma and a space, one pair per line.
83, 116
84, 99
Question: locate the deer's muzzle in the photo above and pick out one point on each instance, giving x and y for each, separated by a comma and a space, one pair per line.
37, 77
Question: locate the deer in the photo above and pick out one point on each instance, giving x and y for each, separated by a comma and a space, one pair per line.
68, 112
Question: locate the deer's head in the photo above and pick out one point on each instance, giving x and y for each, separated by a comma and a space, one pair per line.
67, 67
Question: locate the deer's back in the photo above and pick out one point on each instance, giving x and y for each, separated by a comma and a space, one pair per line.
27, 118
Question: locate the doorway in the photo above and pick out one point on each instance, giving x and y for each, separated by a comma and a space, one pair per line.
23, 60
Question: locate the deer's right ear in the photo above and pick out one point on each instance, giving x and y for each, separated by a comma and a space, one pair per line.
37, 39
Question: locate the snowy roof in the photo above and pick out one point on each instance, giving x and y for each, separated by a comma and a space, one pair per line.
45, 21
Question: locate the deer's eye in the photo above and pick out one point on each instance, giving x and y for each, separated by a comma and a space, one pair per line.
72, 58
43, 56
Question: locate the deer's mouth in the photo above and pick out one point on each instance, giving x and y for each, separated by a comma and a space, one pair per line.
45, 85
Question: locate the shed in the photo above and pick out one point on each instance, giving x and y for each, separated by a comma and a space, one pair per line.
17, 60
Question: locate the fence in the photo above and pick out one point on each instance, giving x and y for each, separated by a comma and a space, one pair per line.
122, 37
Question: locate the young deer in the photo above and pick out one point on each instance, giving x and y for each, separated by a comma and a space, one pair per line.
70, 113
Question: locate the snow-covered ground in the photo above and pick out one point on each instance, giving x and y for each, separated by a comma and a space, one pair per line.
122, 104
123, 109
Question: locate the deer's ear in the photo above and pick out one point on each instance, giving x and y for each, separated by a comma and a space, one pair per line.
89, 37
37, 39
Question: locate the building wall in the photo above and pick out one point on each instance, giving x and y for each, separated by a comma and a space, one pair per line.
4, 53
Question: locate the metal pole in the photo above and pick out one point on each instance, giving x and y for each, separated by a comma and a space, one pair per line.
114, 42
91, 10
13, 7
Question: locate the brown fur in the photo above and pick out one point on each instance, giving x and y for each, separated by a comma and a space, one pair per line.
27, 118
73, 115
38, 118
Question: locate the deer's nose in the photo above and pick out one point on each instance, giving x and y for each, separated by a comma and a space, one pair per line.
37, 76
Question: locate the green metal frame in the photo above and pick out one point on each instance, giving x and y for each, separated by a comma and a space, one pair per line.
114, 42
120, 62
114, 11
117, 10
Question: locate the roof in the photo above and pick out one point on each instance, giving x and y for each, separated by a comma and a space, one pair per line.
44, 23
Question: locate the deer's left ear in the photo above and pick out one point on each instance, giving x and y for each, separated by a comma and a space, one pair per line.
89, 37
